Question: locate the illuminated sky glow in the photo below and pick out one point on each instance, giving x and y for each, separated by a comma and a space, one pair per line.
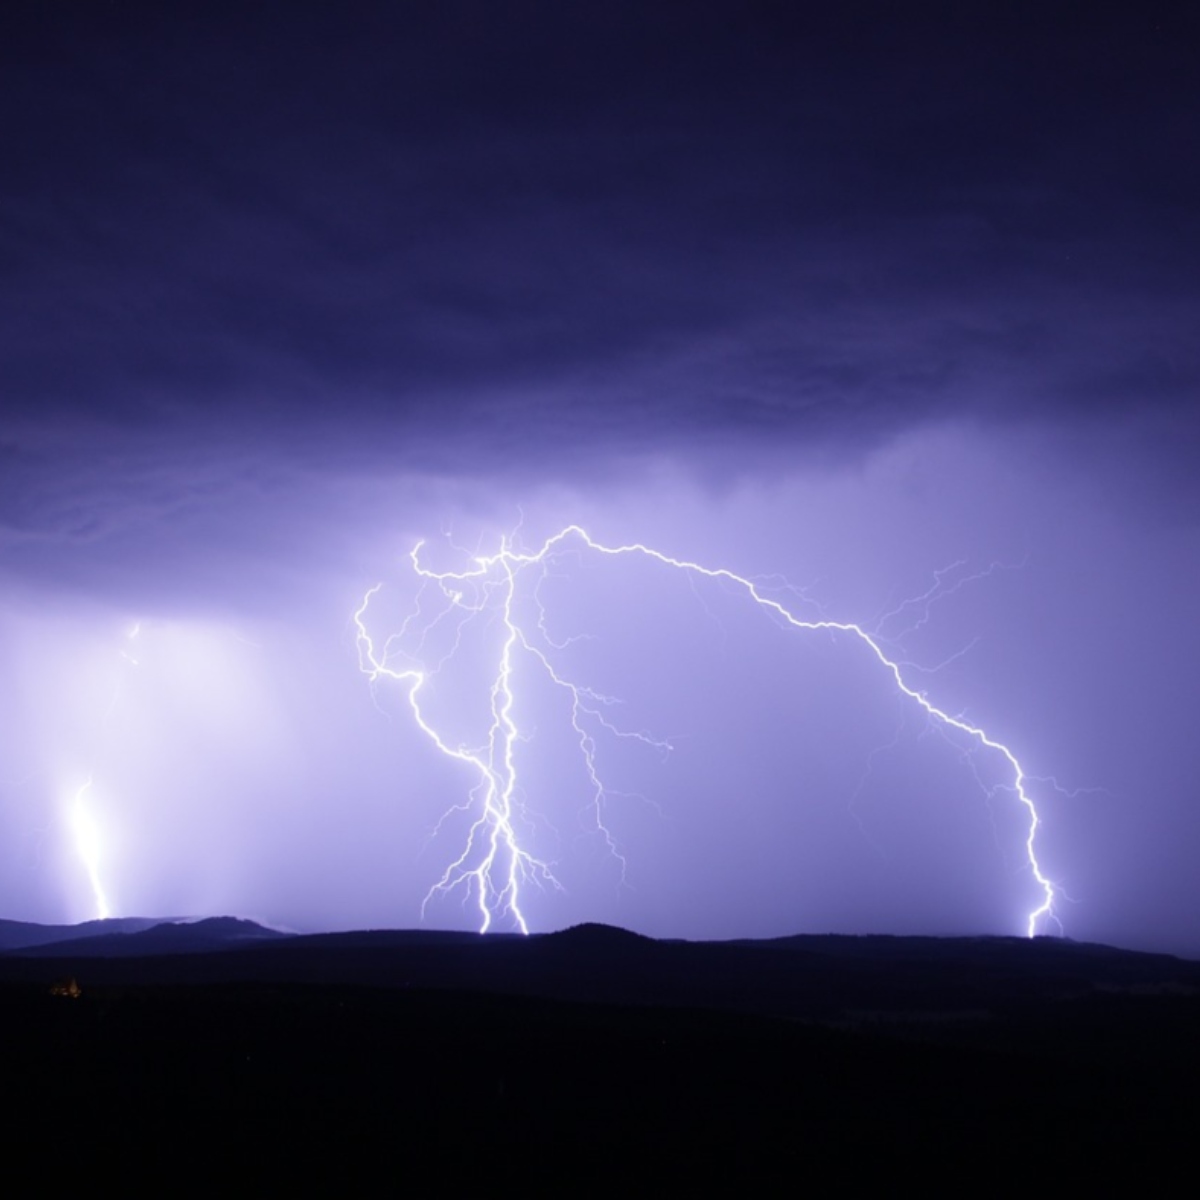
889, 306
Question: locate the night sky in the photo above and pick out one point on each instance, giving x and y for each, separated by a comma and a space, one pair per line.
887, 303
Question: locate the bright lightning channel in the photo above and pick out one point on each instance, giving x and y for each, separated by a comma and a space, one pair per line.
494, 867
82, 814
87, 844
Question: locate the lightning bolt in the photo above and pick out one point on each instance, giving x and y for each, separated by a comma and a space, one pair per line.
81, 815
87, 844
494, 866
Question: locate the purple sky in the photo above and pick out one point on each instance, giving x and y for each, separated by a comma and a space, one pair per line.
828, 296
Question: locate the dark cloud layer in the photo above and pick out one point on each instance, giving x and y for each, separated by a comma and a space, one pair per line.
663, 222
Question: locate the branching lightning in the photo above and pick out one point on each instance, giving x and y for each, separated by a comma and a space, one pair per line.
495, 868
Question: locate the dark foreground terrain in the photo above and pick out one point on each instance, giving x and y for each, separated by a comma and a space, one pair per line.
450, 1064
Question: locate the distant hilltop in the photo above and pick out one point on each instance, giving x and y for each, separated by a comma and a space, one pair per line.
120, 937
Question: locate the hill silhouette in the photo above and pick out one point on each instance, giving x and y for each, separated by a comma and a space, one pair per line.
333, 1053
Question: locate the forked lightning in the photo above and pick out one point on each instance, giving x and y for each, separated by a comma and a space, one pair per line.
494, 867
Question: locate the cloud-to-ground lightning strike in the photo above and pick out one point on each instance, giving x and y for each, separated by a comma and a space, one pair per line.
81, 815
494, 866
87, 843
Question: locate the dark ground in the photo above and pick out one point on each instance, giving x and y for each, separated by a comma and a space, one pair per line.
446, 1064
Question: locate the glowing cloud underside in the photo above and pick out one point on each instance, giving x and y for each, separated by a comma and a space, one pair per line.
494, 867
